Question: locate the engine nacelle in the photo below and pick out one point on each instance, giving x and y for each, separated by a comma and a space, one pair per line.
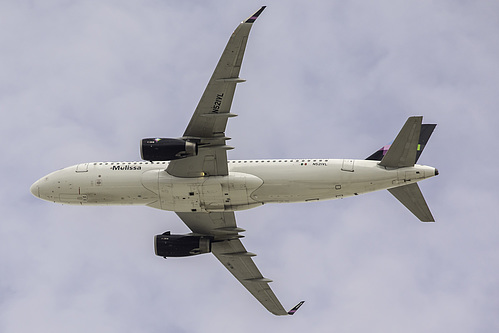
165, 149
168, 245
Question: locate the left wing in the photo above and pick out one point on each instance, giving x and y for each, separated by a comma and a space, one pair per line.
208, 123
230, 251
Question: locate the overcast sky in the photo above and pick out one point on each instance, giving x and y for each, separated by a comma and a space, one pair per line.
84, 81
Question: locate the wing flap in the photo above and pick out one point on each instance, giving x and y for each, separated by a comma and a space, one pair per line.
208, 162
210, 223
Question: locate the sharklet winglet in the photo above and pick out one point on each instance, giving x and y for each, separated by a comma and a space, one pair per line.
295, 308
253, 17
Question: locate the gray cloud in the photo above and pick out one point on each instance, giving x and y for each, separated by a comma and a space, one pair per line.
85, 81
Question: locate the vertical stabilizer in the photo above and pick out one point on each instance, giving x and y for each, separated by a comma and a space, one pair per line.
424, 136
402, 152
405, 152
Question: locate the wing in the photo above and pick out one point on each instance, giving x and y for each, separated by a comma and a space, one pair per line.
208, 123
231, 253
207, 128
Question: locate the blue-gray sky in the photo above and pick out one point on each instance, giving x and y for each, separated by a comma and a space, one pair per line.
84, 81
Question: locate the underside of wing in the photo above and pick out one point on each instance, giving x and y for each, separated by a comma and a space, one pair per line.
237, 260
210, 161
219, 225
230, 251
207, 129
208, 123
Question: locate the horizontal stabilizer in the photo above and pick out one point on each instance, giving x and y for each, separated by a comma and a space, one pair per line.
412, 198
402, 152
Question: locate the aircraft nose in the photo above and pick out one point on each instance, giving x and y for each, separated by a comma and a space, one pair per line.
35, 190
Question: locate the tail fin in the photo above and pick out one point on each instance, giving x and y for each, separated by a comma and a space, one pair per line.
424, 136
404, 152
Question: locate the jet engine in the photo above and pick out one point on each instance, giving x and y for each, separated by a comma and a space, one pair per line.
168, 245
165, 149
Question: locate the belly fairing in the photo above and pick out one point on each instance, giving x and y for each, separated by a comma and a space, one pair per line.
202, 194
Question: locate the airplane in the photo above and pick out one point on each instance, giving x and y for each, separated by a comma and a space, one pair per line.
192, 177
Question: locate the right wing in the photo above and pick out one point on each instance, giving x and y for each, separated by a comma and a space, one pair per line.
231, 253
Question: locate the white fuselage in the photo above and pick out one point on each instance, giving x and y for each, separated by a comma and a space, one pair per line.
250, 183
